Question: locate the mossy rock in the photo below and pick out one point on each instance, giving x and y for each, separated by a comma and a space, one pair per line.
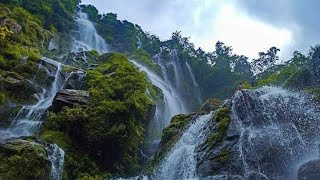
171, 135
24, 159
209, 105
17, 88
7, 115
56, 137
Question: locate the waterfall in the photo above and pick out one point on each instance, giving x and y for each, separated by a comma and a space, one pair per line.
56, 157
86, 37
180, 92
272, 132
279, 130
29, 119
172, 103
181, 162
195, 84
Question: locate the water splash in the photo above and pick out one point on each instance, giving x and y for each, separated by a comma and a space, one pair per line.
56, 157
181, 162
172, 103
279, 131
86, 37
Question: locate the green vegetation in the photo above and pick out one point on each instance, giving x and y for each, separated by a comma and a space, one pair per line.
23, 159
224, 156
170, 136
222, 119
110, 131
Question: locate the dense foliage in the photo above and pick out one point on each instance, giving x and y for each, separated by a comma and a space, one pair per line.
111, 129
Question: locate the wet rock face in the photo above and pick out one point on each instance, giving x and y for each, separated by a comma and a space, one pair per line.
7, 114
268, 135
23, 159
75, 81
13, 84
310, 170
174, 131
69, 98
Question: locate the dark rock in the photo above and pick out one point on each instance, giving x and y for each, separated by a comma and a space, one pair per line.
209, 105
310, 170
13, 85
69, 98
7, 114
75, 81
256, 176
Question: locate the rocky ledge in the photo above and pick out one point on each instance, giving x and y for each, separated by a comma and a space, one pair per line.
69, 98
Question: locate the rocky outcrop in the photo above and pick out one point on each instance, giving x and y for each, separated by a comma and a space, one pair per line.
310, 170
23, 159
7, 114
174, 131
263, 136
13, 84
69, 98
11, 24
75, 81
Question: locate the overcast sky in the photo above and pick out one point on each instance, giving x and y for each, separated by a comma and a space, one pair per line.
249, 26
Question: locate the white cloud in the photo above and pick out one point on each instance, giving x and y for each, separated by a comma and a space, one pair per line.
206, 23
247, 35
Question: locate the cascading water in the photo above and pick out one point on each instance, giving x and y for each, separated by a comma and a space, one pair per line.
86, 37
271, 133
177, 84
181, 162
56, 157
173, 103
29, 118
279, 130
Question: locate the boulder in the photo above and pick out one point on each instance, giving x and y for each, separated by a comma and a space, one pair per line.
174, 131
7, 114
309, 170
75, 81
23, 159
11, 24
13, 85
70, 98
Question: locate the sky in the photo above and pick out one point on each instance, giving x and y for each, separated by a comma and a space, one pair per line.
249, 26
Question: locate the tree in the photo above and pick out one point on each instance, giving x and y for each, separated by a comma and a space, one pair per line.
265, 60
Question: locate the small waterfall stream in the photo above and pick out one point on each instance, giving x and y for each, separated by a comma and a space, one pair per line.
86, 37
29, 118
179, 89
181, 162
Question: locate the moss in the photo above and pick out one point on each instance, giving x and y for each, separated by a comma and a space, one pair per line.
2, 99
143, 57
171, 135
21, 159
56, 137
13, 84
224, 156
222, 118
315, 92
155, 93
210, 105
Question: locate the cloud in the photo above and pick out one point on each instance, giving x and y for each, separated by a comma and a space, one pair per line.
300, 16
250, 26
